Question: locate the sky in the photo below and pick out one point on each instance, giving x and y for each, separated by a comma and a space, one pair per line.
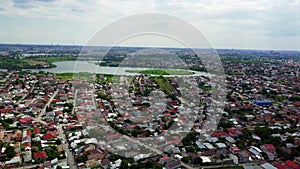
238, 24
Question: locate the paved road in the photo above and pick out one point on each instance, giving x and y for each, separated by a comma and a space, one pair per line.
74, 101
46, 105
70, 157
25, 95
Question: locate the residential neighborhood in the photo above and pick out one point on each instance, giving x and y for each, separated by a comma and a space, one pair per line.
51, 120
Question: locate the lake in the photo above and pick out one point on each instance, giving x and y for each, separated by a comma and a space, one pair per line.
88, 66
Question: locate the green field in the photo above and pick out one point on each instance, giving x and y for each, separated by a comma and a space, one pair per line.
71, 76
163, 84
162, 72
64, 76
41, 62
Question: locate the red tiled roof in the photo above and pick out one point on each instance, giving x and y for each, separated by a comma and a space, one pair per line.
279, 166
235, 149
291, 164
6, 110
48, 136
27, 145
25, 120
219, 134
28, 132
40, 155
37, 131
164, 158
269, 147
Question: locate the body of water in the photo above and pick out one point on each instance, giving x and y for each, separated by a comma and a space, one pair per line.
88, 66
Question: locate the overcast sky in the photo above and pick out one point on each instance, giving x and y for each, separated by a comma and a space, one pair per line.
252, 24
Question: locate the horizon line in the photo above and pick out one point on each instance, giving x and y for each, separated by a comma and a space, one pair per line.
170, 47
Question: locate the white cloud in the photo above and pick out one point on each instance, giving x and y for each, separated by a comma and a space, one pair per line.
230, 23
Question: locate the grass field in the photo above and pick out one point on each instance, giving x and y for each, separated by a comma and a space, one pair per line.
163, 83
64, 76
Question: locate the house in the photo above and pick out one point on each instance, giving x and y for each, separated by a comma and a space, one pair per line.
297, 160
164, 160
173, 164
48, 136
262, 102
280, 166
230, 139
105, 163
37, 131
15, 161
96, 155
28, 157
200, 145
234, 149
40, 155
205, 159
268, 147
270, 155
26, 121
291, 165
234, 158
243, 157
268, 166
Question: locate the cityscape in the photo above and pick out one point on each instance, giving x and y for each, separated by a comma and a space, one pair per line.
149, 84
63, 120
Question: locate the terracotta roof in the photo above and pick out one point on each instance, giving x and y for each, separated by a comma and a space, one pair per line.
25, 120
37, 131
269, 147
279, 166
291, 164
40, 155
48, 136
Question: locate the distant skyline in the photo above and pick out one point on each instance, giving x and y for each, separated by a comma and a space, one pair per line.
237, 24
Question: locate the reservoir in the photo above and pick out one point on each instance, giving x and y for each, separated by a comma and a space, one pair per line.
91, 67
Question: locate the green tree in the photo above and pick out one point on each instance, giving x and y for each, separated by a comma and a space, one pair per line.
52, 153
10, 152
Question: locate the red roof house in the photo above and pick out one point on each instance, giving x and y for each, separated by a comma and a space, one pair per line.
25, 120
40, 155
268, 147
279, 166
48, 136
37, 131
291, 165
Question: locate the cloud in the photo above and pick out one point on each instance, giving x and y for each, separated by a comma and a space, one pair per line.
237, 20
77, 10
28, 4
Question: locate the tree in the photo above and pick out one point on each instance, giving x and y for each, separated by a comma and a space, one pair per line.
52, 153
82, 159
290, 139
134, 132
263, 132
10, 152
197, 160
190, 149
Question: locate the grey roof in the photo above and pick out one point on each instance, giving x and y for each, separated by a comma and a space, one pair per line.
268, 166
